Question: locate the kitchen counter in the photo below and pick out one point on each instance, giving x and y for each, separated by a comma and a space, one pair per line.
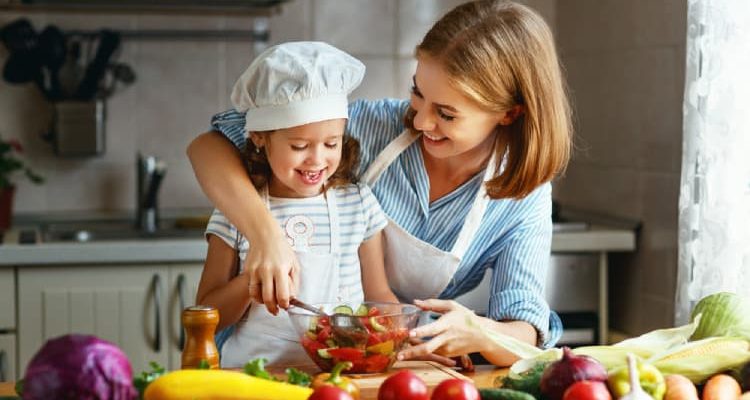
594, 238
483, 377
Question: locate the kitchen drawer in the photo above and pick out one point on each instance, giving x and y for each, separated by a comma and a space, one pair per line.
8, 358
7, 299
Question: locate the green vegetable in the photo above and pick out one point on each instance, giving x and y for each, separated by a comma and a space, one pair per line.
146, 377
297, 377
257, 368
203, 364
362, 311
503, 394
722, 314
527, 381
343, 309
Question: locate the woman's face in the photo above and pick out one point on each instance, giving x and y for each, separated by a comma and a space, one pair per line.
302, 158
451, 123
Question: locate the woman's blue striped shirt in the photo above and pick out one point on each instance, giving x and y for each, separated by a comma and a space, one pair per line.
514, 238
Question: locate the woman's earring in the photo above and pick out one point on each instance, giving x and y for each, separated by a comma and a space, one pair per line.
257, 150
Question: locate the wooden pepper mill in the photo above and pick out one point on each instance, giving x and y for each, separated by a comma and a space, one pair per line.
200, 326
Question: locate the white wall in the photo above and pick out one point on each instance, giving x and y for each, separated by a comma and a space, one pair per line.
181, 84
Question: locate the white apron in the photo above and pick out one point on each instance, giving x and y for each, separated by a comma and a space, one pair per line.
417, 269
273, 337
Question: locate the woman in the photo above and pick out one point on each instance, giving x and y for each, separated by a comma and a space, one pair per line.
462, 170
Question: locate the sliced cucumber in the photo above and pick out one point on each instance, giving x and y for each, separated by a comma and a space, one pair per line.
343, 309
376, 325
323, 353
362, 311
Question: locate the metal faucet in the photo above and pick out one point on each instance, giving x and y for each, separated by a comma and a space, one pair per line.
150, 171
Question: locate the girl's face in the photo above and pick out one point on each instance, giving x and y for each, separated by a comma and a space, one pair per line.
451, 123
302, 158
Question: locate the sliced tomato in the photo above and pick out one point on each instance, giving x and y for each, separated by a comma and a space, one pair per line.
376, 363
373, 311
347, 354
373, 339
324, 334
312, 346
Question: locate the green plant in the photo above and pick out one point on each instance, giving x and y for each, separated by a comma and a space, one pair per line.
9, 163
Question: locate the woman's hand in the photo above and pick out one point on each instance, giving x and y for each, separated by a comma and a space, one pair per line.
451, 335
273, 272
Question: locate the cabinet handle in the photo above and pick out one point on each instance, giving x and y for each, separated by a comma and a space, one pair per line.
181, 282
3, 366
156, 291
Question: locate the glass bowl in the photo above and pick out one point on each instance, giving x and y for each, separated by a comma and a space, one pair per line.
370, 350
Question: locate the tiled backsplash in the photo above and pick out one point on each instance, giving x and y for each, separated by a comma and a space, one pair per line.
180, 84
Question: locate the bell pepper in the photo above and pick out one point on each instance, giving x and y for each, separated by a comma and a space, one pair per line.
650, 377
220, 384
335, 379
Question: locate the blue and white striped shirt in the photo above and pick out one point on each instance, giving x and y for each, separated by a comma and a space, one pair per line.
514, 238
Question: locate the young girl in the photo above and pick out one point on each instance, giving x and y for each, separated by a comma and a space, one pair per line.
294, 97
462, 169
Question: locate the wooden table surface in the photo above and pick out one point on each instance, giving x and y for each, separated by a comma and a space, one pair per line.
484, 376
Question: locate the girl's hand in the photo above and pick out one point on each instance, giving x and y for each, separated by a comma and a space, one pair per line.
273, 273
449, 336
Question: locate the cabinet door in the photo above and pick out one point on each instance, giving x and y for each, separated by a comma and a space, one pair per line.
7, 299
8, 358
122, 304
183, 285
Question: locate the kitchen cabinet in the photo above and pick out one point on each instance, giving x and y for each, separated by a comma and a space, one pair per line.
7, 300
136, 307
8, 357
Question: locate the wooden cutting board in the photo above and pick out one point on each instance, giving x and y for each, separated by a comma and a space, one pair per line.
431, 373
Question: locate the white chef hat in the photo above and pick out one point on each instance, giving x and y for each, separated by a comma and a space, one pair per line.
296, 83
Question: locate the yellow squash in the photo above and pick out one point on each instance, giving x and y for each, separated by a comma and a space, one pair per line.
197, 384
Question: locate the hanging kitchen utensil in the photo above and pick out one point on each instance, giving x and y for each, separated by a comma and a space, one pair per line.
24, 62
71, 72
109, 41
52, 49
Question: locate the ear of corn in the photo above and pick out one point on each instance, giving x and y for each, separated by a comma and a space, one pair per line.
700, 359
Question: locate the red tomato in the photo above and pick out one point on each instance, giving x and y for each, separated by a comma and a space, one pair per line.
330, 393
403, 385
587, 390
455, 389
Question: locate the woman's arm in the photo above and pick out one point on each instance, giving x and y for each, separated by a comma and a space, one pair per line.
452, 334
220, 286
271, 263
374, 281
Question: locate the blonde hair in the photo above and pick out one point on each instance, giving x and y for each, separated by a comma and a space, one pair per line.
501, 55
259, 169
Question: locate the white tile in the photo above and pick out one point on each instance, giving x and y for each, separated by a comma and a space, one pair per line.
378, 81
294, 23
362, 27
405, 73
416, 17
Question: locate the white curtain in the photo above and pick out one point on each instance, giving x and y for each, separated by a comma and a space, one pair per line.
714, 233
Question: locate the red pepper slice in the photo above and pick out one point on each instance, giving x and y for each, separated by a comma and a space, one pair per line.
347, 354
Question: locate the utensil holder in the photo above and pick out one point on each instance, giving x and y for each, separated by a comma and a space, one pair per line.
78, 128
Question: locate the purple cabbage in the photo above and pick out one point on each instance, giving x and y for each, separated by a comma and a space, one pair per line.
79, 367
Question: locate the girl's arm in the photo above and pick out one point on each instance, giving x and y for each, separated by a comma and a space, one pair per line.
220, 286
374, 281
271, 263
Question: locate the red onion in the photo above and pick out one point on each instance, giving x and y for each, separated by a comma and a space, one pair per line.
559, 375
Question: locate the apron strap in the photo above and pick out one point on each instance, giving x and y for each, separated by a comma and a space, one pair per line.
474, 218
386, 157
